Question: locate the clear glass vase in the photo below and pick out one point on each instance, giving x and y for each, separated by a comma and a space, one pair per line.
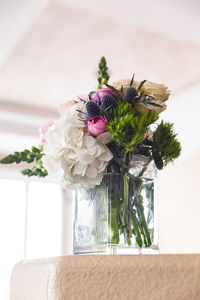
120, 215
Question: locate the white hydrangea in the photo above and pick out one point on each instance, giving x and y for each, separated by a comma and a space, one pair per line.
73, 156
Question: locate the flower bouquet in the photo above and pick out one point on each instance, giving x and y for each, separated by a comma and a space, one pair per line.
107, 145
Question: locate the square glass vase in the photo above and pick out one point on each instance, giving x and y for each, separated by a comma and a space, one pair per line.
120, 215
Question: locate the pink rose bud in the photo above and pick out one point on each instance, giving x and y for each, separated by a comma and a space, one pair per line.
43, 129
101, 93
96, 126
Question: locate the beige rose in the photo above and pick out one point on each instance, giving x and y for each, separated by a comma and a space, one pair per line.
157, 90
142, 107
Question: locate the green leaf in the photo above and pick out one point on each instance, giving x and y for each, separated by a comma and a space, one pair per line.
141, 85
35, 150
112, 88
141, 95
154, 104
122, 91
132, 80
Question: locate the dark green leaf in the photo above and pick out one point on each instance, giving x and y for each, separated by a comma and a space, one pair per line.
154, 104
132, 79
141, 85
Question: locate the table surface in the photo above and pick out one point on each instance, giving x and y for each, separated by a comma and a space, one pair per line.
121, 277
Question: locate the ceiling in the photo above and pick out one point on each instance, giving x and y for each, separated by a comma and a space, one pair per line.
175, 18
50, 50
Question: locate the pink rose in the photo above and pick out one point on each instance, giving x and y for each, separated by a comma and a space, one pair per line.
65, 106
96, 125
101, 93
43, 129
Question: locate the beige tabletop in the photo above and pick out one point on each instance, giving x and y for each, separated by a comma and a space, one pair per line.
104, 277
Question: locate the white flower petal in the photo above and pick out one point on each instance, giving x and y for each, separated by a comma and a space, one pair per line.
101, 166
92, 151
84, 156
106, 156
79, 169
91, 172
89, 141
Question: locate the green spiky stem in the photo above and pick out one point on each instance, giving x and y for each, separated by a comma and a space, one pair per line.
29, 156
35, 171
103, 75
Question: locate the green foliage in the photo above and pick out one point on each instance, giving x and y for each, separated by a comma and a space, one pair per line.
126, 127
102, 73
24, 156
165, 145
33, 156
35, 171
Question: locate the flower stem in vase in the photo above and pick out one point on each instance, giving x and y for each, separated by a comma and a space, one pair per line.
113, 210
140, 212
136, 229
128, 233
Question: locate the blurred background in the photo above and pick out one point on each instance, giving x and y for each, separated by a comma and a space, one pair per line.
49, 53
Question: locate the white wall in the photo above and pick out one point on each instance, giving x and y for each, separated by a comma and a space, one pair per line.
179, 206
178, 183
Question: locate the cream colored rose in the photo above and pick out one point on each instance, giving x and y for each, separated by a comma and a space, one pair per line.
122, 82
157, 90
142, 107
